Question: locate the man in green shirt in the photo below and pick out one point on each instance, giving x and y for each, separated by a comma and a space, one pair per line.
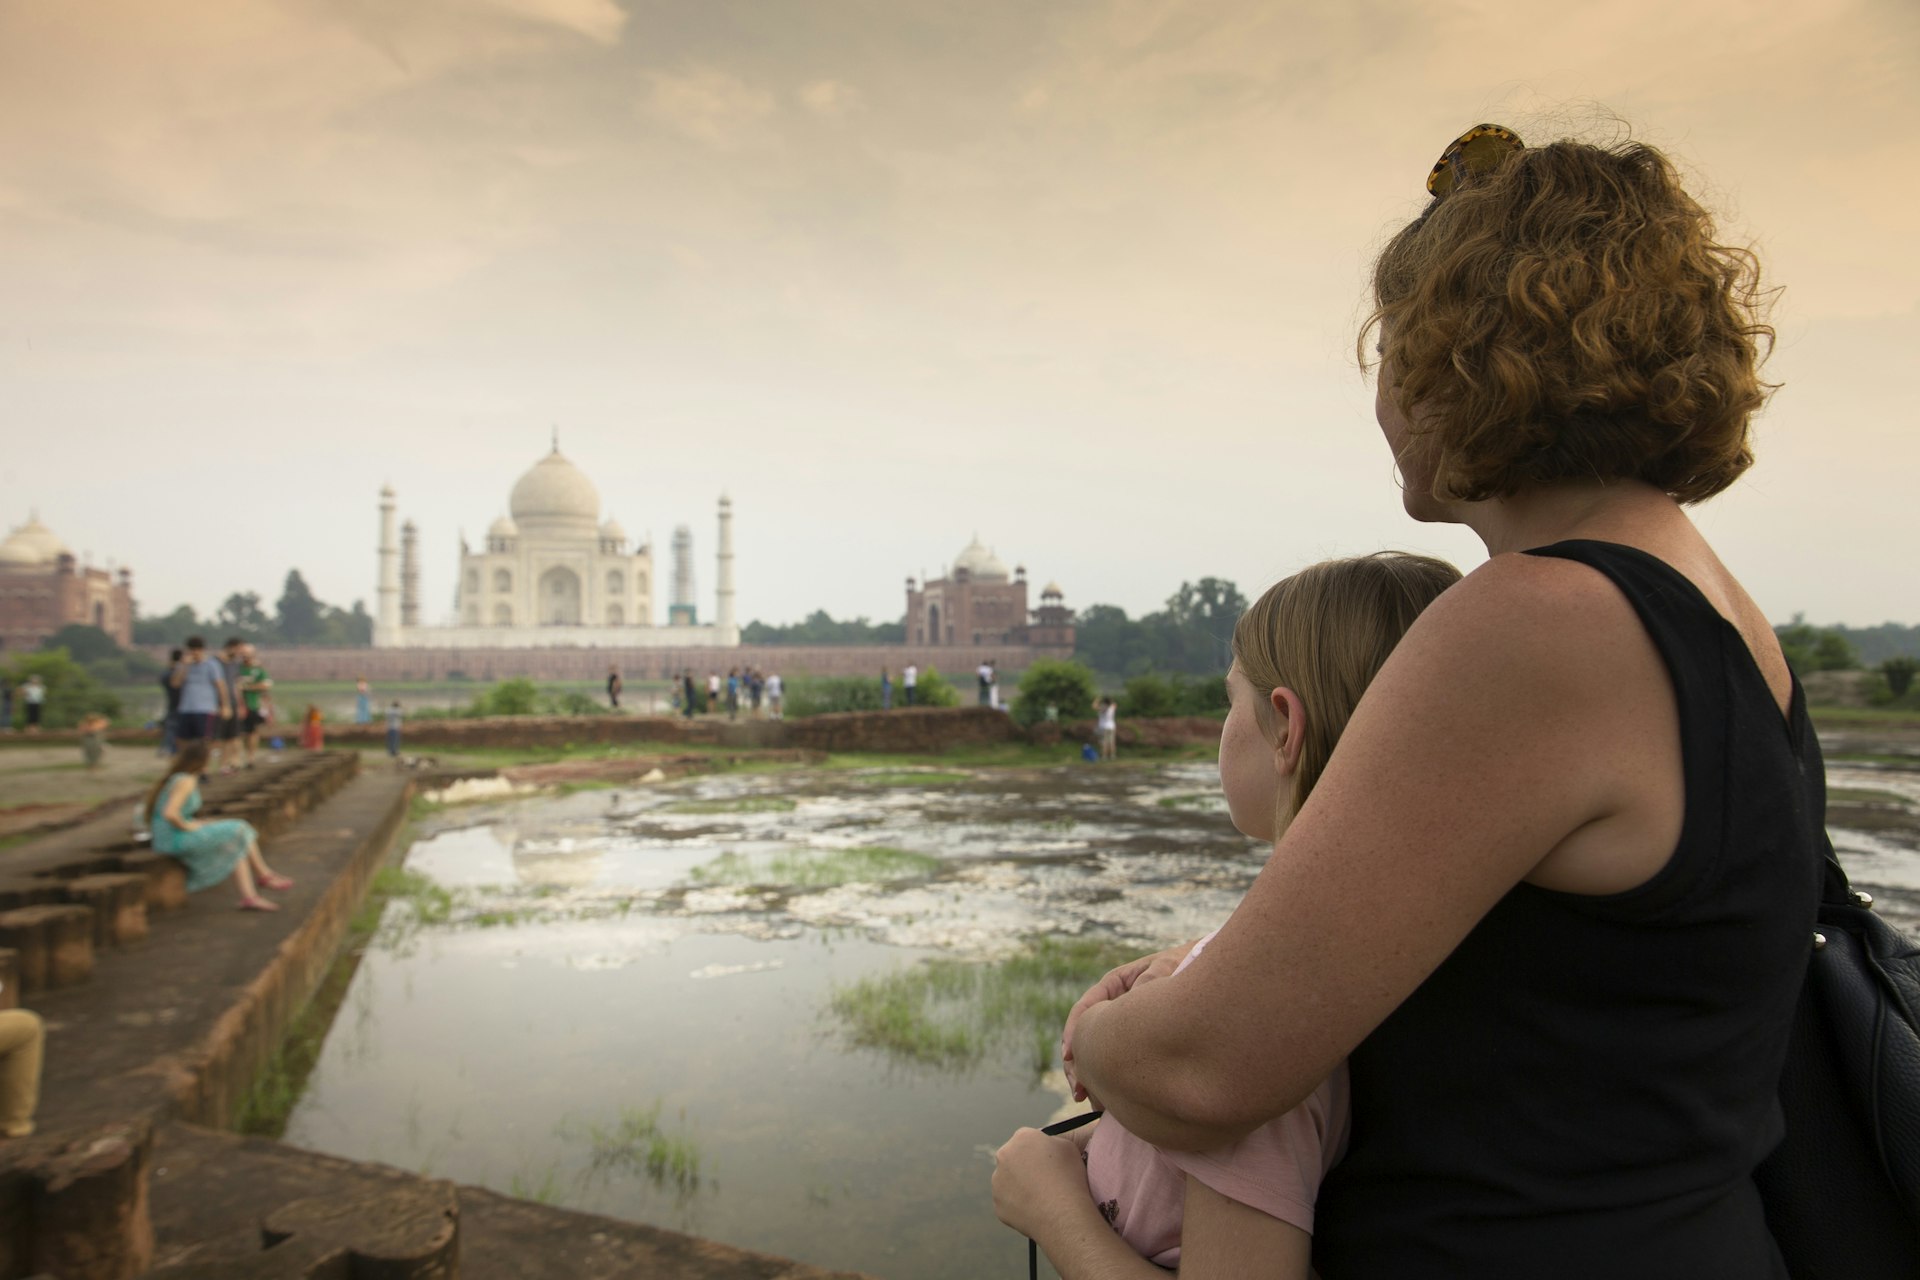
255, 692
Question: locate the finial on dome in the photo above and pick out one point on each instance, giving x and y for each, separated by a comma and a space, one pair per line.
556, 438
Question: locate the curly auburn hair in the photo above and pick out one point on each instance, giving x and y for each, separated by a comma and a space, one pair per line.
1570, 315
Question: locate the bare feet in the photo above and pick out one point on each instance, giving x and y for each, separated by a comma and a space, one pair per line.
278, 883
258, 904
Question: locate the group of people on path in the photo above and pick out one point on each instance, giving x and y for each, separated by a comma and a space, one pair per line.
222, 699
743, 688
1514, 992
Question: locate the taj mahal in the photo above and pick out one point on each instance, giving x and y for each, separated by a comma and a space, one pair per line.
552, 574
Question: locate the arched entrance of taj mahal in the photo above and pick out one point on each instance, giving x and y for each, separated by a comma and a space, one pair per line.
560, 604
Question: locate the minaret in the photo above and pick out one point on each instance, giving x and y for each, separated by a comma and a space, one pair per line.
725, 630
386, 623
681, 609
409, 575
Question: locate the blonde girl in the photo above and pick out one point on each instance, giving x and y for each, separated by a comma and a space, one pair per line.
1302, 656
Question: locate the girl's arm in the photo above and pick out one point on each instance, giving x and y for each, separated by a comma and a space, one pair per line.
1525, 714
177, 794
1040, 1190
1222, 1239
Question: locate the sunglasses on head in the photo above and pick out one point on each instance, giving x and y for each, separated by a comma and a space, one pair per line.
1480, 150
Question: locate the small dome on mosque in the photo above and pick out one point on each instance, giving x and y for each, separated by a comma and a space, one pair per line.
612, 532
504, 527
555, 489
31, 545
1051, 591
981, 562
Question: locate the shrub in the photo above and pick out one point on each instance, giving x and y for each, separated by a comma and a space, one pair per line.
572, 702
1206, 696
1898, 673
820, 695
516, 697
72, 692
1066, 686
935, 690
1150, 695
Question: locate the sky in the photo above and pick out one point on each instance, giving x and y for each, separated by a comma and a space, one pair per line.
1080, 276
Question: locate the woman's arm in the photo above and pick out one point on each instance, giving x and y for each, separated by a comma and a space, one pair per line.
1040, 1190
174, 812
1115, 983
1522, 709
1222, 1239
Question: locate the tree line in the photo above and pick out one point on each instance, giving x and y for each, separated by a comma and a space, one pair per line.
298, 618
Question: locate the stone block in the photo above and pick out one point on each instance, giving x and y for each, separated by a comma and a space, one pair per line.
166, 888
26, 891
55, 944
405, 1231
89, 1207
119, 903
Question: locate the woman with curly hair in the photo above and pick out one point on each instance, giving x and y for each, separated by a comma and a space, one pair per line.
1553, 897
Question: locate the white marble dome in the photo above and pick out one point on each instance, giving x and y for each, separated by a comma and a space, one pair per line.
555, 491
612, 532
504, 527
32, 545
981, 562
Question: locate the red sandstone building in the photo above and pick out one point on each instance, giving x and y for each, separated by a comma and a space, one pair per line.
979, 603
44, 588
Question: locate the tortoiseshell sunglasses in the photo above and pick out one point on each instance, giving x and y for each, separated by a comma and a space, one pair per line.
1481, 149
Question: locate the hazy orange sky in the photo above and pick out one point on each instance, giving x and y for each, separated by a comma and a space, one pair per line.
1080, 275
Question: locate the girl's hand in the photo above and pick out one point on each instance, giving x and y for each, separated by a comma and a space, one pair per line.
1116, 983
1037, 1180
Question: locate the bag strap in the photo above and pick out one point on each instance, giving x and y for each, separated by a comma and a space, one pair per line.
1055, 1130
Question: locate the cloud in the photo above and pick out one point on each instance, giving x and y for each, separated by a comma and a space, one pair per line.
600, 21
709, 105
832, 98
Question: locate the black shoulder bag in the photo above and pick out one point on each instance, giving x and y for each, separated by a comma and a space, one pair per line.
1842, 1190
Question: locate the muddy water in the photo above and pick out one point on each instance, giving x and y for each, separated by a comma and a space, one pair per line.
604, 1022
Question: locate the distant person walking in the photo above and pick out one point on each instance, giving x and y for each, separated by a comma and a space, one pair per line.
691, 698
211, 851
170, 689
993, 683
983, 675
1108, 727
362, 702
393, 732
34, 694
886, 690
713, 692
312, 736
614, 685
910, 681
256, 699
756, 685
776, 696
733, 693
203, 693
232, 724
6, 704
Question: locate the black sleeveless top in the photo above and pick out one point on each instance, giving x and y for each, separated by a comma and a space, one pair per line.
1582, 1090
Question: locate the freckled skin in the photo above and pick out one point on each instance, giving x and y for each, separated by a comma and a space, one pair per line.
1250, 771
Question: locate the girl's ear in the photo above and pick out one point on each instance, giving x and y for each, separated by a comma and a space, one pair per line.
1290, 714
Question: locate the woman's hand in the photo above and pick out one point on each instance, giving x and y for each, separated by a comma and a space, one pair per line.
1038, 1181
1116, 983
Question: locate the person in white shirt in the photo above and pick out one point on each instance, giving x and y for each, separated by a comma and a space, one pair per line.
776, 699
1109, 726
908, 680
984, 674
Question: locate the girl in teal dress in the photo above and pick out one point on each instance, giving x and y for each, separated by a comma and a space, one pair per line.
210, 851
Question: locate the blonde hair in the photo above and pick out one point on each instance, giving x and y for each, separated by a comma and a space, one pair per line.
1325, 632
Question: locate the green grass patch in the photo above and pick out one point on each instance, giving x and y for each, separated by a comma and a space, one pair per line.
733, 804
817, 868
1874, 757
911, 778
1856, 795
1875, 717
638, 1144
951, 1014
1193, 800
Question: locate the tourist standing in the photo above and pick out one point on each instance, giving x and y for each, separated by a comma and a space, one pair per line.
93, 739
756, 684
983, 676
886, 690
1109, 727
256, 696
34, 694
232, 660
692, 699
614, 685
211, 851
6, 704
713, 692
776, 696
362, 702
312, 736
170, 690
733, 693
203, 693
909, 681
993, 683
393, 731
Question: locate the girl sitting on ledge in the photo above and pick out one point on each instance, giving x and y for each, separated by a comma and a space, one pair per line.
210, 851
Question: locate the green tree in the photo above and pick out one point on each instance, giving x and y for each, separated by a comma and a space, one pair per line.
516, 697
298, 612
934, 690
1068, 687
1810, 648
1148, 696
83, 644
170, 629
72, 692
819, 627
240, 614
1899, 672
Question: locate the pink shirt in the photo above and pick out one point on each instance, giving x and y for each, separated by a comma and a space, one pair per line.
1141, 1189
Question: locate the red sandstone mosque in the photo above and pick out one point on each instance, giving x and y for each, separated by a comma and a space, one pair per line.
43, 588
978, 602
